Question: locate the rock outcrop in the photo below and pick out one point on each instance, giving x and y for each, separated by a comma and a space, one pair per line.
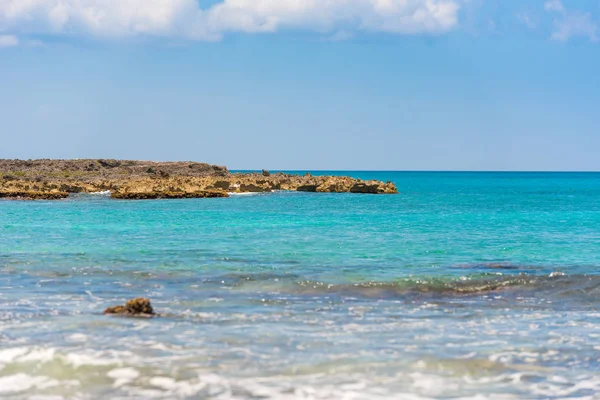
138, 307
373, 187
53, 179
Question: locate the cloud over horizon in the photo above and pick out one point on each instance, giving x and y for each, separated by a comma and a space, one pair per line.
185, 19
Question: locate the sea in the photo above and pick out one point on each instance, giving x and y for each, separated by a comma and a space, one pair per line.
465, 285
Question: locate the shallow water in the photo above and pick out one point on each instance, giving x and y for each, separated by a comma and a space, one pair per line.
465, 285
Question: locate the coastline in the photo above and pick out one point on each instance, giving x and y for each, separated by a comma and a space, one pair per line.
126, 179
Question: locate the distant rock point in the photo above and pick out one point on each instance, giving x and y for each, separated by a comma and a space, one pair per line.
141, 180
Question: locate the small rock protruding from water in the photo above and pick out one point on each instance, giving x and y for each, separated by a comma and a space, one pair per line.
115, 310
139, 306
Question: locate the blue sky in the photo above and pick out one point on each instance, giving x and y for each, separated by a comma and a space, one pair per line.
289, 84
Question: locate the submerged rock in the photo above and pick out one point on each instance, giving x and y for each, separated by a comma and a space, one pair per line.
139, 306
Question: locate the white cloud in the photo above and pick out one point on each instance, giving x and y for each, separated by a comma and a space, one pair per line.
8, 41
577, 24
397, 16
98, 17
554, 5
571, 24
184, 18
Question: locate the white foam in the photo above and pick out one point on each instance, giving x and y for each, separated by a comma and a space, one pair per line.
123, 376
123, 373
102, 193
25, 354
9, 355
21, 382
99, 358
163, 382
39, 355
245, 193
178, 389
77, 337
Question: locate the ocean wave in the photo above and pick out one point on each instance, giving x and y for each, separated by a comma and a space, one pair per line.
555, 284
111, 374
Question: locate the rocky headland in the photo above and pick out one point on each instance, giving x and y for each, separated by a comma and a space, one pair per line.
56, 179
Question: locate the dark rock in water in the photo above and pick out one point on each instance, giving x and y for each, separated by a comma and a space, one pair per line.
139, 305
115, 310
135, 307
361, 187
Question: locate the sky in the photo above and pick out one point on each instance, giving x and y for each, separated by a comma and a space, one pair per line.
304, 84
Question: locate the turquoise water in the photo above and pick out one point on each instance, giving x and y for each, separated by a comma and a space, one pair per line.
465, 285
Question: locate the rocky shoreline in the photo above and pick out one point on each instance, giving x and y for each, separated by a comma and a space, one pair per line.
32, 195
130, 180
